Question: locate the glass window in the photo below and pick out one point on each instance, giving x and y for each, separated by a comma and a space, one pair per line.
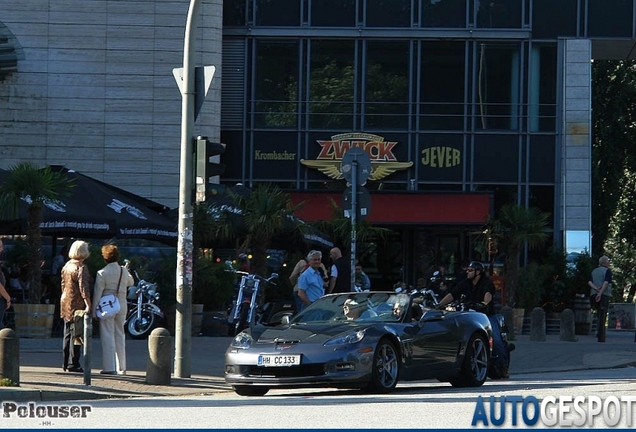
234, 12
542, 197
276, 84
499, 14
387, 85
578, 241
502, 194
442, 85
278, 13
234, 156
496, 158
552, 18
610, 18
497, 93
331, 84
388, 13
443, 13
542, 159
333, 13
542, 89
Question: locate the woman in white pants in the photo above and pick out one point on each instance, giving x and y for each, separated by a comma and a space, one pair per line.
112, 279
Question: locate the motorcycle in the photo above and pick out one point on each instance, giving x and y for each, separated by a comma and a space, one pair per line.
500, 358
248, 309
143, 314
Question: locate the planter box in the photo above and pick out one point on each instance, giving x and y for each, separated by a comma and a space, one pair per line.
626, 312
34, 320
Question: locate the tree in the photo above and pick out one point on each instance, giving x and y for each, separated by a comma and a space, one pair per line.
262, 215
613, 145
339, 229
35, 186
514, 227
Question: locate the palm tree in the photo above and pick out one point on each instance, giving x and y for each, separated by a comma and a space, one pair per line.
35, 186
263, 214
339, 228
514, 227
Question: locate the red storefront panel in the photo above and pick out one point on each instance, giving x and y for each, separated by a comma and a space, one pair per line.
405, 208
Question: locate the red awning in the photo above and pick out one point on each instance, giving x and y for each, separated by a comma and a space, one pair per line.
403, 208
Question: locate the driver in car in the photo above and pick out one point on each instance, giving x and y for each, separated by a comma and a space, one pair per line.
352, 309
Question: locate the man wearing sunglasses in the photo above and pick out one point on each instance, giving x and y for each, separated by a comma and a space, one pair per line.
478, 290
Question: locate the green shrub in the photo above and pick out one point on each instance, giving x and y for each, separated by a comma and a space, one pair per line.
6, 382
212, 286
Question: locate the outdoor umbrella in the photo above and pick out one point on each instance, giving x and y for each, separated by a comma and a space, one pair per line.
311, 236
96, 209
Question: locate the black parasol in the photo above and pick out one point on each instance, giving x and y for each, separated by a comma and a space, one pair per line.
98, 210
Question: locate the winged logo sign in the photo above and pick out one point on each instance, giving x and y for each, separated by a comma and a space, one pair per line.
383, 161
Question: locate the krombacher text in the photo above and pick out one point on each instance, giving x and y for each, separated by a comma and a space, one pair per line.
274, 155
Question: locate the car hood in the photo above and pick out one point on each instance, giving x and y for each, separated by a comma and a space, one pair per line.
305, 333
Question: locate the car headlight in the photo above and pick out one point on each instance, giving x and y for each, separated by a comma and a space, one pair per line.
349, 338
242, 340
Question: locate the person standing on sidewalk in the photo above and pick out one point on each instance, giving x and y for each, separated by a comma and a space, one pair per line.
5, 298
601, 291
340, 277
113, 279
76, 290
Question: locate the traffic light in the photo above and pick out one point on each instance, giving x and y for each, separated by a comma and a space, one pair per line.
207, 166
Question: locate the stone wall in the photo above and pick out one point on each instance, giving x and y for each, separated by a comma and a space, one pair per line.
94, 89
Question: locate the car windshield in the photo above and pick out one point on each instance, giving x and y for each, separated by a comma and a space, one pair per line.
356, 307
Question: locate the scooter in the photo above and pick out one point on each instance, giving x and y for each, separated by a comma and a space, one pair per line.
143, 314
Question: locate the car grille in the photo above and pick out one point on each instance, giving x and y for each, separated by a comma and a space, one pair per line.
287, 372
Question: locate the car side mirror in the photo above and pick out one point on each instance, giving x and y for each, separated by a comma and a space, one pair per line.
285, 320
432, 315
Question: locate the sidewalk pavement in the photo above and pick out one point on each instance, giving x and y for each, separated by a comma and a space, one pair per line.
42, 378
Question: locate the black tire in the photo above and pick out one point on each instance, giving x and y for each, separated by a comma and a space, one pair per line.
141, 329
243, 390
241, 324
386, 368
475, 364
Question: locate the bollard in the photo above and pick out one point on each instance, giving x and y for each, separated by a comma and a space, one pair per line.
537, 324
9, 355
88, 344
159, 365
567, 329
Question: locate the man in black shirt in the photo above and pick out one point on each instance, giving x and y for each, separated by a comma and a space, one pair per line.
478, 290
340, 275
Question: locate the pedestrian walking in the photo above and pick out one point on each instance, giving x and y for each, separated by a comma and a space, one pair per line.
601, 291
76, 288
113, 279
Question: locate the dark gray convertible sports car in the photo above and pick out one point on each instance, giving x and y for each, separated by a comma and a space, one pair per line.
366, 340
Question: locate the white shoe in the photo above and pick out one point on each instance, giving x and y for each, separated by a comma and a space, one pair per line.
121, 372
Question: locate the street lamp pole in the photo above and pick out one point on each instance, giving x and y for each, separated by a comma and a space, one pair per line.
183, 321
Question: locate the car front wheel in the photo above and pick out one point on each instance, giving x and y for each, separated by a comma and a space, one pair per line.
386, 367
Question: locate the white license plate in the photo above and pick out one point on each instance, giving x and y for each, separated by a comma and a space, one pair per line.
279, 360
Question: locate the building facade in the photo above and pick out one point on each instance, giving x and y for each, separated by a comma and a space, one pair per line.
461, 105
456, 102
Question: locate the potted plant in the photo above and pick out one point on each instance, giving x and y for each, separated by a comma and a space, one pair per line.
28, 183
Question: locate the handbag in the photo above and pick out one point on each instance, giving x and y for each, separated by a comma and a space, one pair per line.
108, 305
78, 323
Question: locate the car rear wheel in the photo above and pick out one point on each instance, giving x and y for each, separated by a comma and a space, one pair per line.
243, 390
475, 364
386, 368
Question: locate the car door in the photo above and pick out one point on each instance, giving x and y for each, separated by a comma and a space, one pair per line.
433, 345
